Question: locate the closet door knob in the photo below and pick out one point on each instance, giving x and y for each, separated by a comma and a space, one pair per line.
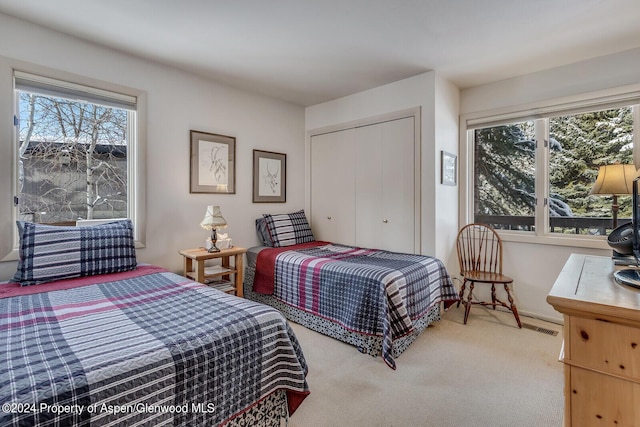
328, 217
385, 221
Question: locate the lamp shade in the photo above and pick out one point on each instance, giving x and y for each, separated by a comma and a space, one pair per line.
213, 219
614, 179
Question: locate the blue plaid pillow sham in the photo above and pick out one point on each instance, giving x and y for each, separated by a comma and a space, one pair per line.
263, 232
288, 229
49, 253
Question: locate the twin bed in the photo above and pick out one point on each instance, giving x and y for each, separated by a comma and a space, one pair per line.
377, 300
124, 344
89, 337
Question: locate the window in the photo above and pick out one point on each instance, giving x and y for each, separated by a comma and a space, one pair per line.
76, 152
579, 145
504, 164
536, 175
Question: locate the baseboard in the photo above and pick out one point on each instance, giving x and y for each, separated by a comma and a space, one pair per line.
556, 320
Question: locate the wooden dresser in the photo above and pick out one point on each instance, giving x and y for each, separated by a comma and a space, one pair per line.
601, 350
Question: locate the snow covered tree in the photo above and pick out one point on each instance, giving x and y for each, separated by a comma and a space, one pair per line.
588, 141
505, 164
505, 170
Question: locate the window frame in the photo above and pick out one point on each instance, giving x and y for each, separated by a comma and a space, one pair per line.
136, 168
539, 112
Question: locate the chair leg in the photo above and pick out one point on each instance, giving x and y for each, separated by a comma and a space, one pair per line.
467, 305
461, 294
493, 295
513, 308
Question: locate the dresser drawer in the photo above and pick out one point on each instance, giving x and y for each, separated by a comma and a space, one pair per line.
605, 346
599, 400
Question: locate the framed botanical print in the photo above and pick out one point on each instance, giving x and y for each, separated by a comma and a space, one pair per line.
213, 163
448, 168
269, 177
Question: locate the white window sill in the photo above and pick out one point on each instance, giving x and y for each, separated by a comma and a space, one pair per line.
555, 239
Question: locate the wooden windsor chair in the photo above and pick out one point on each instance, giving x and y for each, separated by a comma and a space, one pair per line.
480, 256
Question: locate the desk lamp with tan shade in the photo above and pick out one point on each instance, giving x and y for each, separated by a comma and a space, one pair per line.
616, 180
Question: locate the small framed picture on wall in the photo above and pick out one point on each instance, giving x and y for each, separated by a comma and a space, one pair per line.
269, 177
448, 168
213, 163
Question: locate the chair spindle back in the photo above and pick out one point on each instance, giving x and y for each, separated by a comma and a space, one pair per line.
479, 249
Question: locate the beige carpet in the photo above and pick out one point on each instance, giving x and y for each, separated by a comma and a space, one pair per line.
487, 373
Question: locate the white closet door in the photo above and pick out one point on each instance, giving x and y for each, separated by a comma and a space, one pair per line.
368, 191
398, 185
385, 185
332, 187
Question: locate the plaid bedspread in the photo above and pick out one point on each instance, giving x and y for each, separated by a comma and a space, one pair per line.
365, 290
153, 350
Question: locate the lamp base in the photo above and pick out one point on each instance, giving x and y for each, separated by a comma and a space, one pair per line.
214, 239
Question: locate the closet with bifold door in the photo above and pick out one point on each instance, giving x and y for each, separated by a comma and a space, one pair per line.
365, 184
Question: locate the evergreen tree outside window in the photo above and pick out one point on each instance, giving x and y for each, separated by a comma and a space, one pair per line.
508, 186
585, 142
504, 184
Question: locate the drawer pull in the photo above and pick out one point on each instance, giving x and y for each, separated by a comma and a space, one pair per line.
634, 345
584, 335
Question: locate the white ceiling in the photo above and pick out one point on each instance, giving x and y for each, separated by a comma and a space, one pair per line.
311, 51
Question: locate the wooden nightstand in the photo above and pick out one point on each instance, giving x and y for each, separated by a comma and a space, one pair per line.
217, 276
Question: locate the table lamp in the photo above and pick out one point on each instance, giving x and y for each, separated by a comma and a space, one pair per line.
213, 220
614, 180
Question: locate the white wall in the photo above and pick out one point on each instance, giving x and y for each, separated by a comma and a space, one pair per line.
595, 74
176, 103
446, 108
536, 266
439, 131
